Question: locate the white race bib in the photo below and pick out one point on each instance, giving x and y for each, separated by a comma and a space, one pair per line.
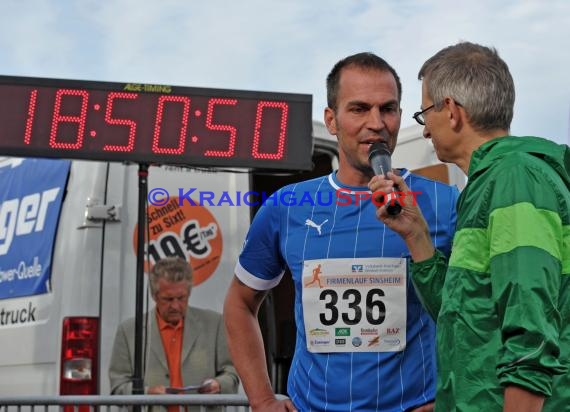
355, 305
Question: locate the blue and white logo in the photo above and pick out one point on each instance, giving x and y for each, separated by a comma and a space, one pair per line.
30, 203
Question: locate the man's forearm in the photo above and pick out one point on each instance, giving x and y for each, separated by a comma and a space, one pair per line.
228, 379
249, 359
520, 400
420, 246
245, 343
125, 388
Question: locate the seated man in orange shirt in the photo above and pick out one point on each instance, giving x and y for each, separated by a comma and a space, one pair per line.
187, 345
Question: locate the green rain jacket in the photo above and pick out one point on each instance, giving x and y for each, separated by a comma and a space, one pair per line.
502, 302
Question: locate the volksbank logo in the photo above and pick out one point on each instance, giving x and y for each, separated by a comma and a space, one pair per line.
342, 332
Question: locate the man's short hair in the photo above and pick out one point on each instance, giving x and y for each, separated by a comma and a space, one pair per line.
365, 60
476, 78
172, 269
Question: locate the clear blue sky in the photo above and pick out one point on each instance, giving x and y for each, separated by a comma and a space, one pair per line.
290, 45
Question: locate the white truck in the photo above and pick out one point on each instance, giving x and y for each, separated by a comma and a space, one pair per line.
56, 333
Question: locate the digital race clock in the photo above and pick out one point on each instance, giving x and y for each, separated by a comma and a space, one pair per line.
154, 124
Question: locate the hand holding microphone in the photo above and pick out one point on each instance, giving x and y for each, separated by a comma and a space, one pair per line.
381, 163
402, 216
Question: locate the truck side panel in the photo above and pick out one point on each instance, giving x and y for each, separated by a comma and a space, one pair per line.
29, 359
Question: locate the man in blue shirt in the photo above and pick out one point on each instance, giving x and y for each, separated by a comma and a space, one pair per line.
363, 340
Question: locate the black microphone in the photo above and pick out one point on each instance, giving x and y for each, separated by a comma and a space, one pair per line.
381, 163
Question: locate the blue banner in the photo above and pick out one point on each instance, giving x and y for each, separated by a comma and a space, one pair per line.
31, 193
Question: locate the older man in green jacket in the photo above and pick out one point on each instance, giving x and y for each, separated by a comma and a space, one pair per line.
502, 302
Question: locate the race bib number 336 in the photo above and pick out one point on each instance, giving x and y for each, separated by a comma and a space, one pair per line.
355, 305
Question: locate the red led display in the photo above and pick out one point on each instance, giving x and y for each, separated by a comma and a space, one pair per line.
154, 124
132, 125
231, 129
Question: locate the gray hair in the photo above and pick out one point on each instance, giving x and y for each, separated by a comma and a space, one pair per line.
476, 78
172, 269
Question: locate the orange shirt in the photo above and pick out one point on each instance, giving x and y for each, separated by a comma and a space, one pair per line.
172, 343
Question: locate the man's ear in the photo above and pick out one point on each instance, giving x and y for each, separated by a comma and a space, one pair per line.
330, 121
455, 114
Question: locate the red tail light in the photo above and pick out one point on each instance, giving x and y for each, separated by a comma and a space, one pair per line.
79, 374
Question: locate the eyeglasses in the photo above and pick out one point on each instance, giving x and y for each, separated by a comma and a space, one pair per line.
419, 116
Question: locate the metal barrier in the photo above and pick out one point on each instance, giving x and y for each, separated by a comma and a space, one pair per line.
121, 403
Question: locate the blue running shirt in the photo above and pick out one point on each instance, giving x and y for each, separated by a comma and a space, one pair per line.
312, 220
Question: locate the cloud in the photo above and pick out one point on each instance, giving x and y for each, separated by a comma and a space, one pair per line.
289, 45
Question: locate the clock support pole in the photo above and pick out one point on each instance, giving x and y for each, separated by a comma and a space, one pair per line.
138, 379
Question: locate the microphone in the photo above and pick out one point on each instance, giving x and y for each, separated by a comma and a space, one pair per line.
381, 163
